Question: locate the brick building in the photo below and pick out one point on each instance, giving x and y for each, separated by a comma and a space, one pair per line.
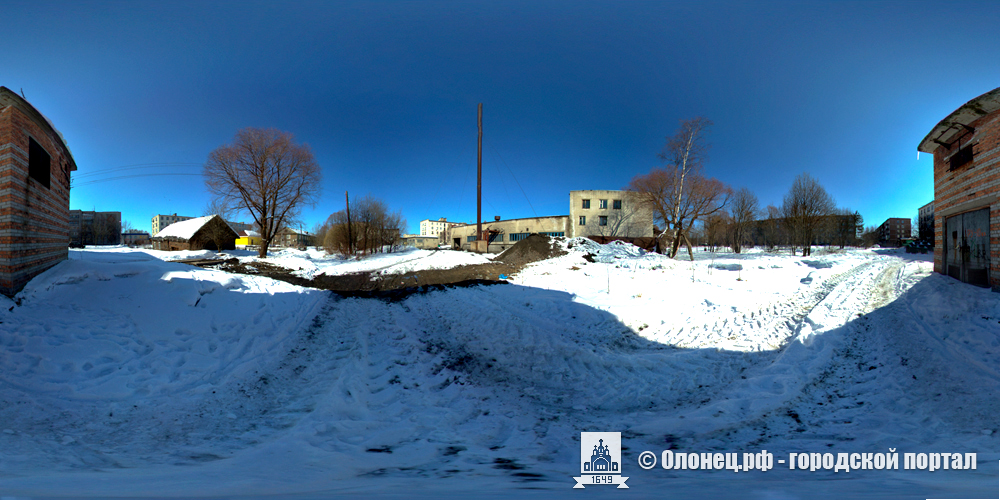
966, 149
925, 223
893, 231
35, 166
94, 228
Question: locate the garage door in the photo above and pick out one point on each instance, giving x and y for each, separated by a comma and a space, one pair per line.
967, 247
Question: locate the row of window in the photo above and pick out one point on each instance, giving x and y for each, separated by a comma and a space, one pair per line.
512, 237
603, 204
601, 220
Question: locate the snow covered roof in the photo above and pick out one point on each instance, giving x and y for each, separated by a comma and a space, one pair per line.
956, 124
184, 229
249, 234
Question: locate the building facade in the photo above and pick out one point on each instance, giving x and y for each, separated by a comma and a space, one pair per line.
925, 223
435, 227
966, 149
893, 231
505, 233
88, 227
35, 166
135, 238
600, 214
420, 241
608, 213
159, 222
288, 237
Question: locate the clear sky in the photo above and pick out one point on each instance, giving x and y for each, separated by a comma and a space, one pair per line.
576, 95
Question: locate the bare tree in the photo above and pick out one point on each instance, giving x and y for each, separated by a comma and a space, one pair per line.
217, 232
679, 195
701, 198
107, 228
269, 176
717, 230
869, 237
743, 207
373, 228
805, 209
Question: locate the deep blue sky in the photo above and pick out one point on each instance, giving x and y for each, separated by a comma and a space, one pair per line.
577, 95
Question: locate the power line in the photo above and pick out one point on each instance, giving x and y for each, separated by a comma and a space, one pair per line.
131, 176
134, 167
515, 179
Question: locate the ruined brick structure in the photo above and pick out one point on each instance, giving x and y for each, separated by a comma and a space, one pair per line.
35, 166
966, 149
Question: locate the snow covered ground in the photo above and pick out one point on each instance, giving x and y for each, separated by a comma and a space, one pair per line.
124, 374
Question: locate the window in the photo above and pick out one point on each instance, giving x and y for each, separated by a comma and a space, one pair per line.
39, 163
583, 220
471, 239
517, 236
559, 234
960, 158
496, 237
604, 204
586, 203
603, 221
617, 204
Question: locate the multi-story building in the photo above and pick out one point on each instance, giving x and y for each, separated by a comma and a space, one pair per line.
613, 214
925, 223
35, 164
966, 191
288, 237
87, 227
240, 226
893, 231
435, 227
162, 221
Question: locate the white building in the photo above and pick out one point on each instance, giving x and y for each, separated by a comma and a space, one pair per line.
160, 222
435, 227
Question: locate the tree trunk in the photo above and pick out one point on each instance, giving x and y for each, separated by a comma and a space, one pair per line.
262, 252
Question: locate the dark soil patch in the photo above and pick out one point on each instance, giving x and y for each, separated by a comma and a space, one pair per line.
399, 286
531, 249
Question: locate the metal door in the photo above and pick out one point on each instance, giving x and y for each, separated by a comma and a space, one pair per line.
967, 247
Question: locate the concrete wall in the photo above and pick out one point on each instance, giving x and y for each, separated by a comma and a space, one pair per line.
420, 241
34, 218
508, 228
629, 221
971, 187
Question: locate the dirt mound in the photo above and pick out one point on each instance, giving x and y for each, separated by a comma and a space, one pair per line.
376, 285
531, 249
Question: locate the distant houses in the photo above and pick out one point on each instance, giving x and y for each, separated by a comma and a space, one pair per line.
966, 149
35, 166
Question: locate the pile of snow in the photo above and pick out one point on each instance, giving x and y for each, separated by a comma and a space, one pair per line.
123, 374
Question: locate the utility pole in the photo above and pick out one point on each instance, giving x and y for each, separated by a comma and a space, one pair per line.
479, 179
350, 242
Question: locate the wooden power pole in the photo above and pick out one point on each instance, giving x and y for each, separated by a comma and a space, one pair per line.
479, 179
350, 242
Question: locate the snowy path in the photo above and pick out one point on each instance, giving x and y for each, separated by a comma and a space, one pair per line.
475, 389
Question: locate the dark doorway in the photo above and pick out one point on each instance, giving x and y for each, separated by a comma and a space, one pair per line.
967, 247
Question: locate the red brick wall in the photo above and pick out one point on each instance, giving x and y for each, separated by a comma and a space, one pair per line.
973, 186
34, 220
